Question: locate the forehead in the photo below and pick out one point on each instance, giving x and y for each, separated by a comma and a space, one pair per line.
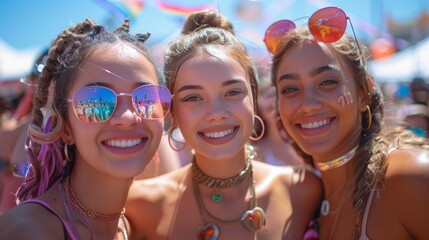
210, 67
117, 63
310, 54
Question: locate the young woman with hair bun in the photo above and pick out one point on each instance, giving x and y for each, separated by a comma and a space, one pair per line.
224, 193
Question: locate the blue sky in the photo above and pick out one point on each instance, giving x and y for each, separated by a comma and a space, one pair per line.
32, 24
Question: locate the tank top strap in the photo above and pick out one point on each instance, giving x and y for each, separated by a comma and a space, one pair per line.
363, 235
49, 208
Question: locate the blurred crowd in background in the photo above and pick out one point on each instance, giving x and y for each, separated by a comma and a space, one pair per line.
406, 97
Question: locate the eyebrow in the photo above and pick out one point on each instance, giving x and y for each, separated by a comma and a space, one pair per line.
198, 87
233, 81
329, 67
313, 73
104, 84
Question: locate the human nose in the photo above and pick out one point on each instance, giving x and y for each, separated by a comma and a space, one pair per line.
310, 103
216, 110
125, 114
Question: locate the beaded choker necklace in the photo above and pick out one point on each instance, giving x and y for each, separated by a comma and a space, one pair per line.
252, 219
218, 184
89, 212
338, 162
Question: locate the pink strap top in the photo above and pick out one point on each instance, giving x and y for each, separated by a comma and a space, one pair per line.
46, 205
363, 235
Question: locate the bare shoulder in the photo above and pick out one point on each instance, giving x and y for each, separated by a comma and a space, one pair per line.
408, 172
408, 162
297, 179
407, 181
38, 223
154, 189
148, 199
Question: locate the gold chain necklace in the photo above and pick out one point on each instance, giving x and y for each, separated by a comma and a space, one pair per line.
91, 213
252, 219
218, 184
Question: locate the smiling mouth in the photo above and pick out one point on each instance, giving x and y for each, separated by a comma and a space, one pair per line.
123, 143
219, 134
313, 125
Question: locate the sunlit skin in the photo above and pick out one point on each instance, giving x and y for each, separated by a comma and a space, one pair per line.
311, 80
213, 106
211, 101
275, 145
102, 174
308, 93
125, 124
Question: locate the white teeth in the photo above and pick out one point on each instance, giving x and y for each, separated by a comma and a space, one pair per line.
123, 143
218, 134
315, 124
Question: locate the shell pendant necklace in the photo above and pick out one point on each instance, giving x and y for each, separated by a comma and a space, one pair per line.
252, 219
325, 208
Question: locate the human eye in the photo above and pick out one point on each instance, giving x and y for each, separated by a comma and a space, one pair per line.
329, 82
288, 90
191, 98
235, 92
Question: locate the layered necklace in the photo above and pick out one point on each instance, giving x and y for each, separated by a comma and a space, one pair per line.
325, 208
252, 219
218, 184
69, 196
89, 212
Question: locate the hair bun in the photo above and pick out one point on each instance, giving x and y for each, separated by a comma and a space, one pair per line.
205, 19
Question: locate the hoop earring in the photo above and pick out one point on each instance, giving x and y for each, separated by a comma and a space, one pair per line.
262, 125
369, 119
66, 153
170, 136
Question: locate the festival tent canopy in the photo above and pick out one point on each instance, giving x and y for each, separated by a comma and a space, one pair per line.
404, 65
15, 64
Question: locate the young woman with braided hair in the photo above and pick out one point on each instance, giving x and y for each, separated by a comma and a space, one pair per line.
224, 193
376, 177
80, 171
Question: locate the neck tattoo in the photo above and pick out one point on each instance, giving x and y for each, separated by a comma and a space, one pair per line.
218, 184
252, 219
338, 162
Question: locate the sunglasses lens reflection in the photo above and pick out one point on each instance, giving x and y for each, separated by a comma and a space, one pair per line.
94, 104
97, 104
275, 32
152, 102
328, 24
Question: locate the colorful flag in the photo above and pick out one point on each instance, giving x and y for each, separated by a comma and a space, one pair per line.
182, 8
123, 8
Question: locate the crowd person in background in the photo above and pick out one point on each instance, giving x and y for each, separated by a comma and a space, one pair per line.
275, 146
416, 118
375, 178
223, 193
13, 136
80, 172
419, 91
